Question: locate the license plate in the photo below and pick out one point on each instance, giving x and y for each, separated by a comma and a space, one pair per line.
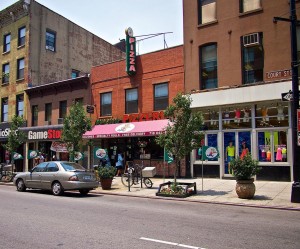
86, 177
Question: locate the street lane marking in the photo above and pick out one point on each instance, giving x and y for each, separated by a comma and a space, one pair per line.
171, 243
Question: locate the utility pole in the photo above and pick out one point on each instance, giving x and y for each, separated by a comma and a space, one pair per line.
295, 196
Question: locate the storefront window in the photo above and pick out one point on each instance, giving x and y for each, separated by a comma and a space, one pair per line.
236, 117
272, 114
211, 119
272, 146
212, 141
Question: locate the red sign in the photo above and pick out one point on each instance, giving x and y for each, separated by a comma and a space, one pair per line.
298, 119
137, 117
279, 74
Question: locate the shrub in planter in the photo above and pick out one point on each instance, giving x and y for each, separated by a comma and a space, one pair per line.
244, 170
106, 174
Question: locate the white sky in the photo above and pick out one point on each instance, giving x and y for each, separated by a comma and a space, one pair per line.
108, 19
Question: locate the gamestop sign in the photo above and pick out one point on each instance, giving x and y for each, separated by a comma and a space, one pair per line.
49, 134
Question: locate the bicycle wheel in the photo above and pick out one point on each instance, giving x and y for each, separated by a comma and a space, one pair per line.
125, 180
148, 183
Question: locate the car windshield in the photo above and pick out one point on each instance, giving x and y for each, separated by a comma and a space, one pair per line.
69, 166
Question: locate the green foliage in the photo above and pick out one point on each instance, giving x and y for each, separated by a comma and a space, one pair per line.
108, 121
183, 135
244, 169
16, 137
107, 172
75, 125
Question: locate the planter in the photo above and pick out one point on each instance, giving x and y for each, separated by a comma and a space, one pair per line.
188, 189
245, 189
106, 183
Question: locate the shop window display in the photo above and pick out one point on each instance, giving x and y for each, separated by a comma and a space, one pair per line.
271, 114
211, 119
212, 140
272, 146
236, 117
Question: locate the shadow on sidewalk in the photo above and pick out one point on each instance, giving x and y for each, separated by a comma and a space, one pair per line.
212, 192
262, 197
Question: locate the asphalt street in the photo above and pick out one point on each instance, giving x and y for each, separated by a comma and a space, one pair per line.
37, 219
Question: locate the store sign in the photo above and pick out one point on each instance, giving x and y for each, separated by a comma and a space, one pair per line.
90, 109
4, 133
138, 117
59, 147
287, 96
130, 52
44, 135
279, 74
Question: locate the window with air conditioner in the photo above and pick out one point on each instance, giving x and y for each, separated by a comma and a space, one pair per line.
252, 58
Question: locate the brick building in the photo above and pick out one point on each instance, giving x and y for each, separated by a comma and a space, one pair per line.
237, 64
137, 102
39, 46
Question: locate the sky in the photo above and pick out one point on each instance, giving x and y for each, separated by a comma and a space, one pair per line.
108, 19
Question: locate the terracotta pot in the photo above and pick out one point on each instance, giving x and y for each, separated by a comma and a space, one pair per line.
245, 189
106, 183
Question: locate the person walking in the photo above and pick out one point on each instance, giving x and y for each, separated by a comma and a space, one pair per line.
120, 163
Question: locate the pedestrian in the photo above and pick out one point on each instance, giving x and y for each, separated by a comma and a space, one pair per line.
120, 163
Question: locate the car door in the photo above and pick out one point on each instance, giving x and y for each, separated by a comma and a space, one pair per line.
49, 175
34, 179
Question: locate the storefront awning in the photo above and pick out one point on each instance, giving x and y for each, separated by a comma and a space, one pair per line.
134, 129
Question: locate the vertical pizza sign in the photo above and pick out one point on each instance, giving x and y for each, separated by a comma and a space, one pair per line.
130, 52
298, 126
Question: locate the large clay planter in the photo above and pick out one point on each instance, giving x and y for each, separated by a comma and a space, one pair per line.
245, 189
106, 183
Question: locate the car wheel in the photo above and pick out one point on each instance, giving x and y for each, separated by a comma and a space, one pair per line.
57, 189
84, 191
21, 185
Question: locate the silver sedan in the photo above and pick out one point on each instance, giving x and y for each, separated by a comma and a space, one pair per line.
57, 176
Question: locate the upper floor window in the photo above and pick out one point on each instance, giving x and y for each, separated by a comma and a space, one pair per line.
20, 105
4, 110
48, 113
50, 40
207, 11
131, 104
20, 68
62, 109
248, 5
252, 58
21, 36
79, 101
208, 66
5, 73
74, 74
6, 43
105, 104
34, 113
161, 96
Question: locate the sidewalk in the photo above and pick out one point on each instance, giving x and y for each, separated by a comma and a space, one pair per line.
276, 195
268, 194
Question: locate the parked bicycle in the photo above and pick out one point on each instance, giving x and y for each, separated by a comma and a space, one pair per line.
134, 176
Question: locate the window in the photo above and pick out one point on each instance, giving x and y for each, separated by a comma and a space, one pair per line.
21, 36
20, 105
5, 73
52, 167
48, 112
211, 119
252, 58
50, 40
161, 96
79, 101
74, 74
208, 66
248, 5
207, 11
131, 101
105, 104
62, 109
4, 110
20, 68
6, 43
34, 113
236, 117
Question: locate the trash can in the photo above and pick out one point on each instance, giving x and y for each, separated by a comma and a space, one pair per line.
295, 192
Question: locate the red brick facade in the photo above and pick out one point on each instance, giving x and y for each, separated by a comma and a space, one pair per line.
153, 68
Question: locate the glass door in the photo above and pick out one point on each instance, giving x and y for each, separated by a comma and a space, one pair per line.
229, 150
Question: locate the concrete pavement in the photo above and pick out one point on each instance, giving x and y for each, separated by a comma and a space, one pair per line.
268, 194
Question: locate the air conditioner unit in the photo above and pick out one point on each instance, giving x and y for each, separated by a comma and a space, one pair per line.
251, 40
47, 123
60, 120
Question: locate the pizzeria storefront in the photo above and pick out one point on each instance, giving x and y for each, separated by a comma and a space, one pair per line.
136, 140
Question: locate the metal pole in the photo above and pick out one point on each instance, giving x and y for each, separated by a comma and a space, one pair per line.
295, 196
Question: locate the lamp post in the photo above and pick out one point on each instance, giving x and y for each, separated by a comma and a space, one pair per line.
295, 195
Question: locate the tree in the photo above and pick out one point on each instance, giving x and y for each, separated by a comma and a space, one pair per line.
183, 134
16, 137
75, 125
